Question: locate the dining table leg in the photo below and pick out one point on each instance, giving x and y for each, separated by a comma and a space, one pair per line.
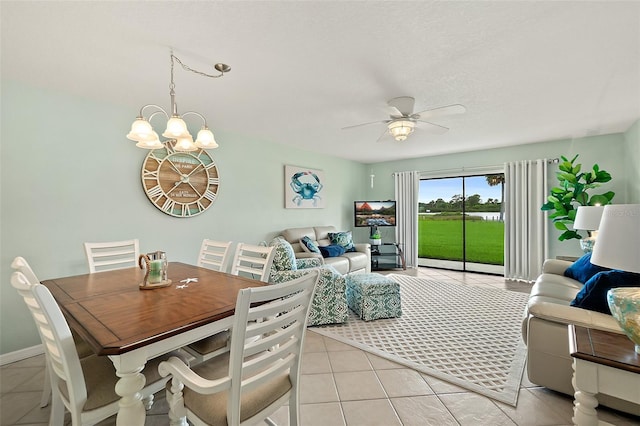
131, 410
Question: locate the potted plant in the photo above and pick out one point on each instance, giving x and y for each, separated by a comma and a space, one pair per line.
375, 239
571, 192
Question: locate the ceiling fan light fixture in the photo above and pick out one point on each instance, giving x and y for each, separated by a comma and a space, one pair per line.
400, 129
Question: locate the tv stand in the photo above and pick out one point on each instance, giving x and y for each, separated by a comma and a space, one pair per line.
387, 256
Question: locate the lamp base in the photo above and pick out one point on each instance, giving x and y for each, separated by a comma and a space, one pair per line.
586, 244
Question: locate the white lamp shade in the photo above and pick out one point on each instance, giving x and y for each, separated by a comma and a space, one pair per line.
205, 139
619, 238
153, 143
185, 144
401, 129
588, 218
141, 131
176, 128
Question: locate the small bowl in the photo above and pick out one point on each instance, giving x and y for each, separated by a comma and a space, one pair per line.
624, 303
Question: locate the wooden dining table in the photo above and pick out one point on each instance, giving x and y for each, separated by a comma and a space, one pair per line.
131, 325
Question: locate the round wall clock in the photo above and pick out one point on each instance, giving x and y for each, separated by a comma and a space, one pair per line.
181, 184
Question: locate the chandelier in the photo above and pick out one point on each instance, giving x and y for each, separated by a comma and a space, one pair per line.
400, 129
176, 130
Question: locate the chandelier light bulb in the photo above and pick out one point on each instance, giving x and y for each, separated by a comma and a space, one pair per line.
176, 128
185, 144
205, 139
153, 143
140, 130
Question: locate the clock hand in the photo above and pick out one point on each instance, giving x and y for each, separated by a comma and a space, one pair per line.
174, 167
194, 188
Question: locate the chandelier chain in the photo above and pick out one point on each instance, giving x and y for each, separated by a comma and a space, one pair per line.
187, 68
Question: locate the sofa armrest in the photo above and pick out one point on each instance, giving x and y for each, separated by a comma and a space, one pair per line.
544, 308
363, 248
555, 266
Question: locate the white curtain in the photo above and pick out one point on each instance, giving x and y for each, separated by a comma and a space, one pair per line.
526, 244
406, 186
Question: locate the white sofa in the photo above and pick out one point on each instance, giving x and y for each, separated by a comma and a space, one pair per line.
350, 262
545, 331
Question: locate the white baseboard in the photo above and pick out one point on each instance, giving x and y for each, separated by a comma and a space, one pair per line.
21, 354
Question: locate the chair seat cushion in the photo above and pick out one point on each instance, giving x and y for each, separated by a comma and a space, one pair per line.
212, 409
100, 379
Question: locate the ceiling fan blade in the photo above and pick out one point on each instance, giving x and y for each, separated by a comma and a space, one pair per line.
366, 124
385, 136
435, 129
404, 105
437, 112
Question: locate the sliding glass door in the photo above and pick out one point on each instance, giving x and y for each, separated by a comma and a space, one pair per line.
461, 223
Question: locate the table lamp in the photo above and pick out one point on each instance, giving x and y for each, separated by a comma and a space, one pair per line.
619, 248
588, 219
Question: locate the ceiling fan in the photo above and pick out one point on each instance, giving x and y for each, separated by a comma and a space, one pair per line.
403, 121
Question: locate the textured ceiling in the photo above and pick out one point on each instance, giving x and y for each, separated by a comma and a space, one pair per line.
526, 71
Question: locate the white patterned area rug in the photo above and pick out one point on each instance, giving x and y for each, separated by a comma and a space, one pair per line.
469, 336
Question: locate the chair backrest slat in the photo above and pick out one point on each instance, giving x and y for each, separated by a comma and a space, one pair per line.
253, 261
106, 256
214, 254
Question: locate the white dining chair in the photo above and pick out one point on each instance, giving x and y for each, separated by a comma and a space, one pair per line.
256, 377
110, 255
85, 387
253, 261
214, 254
249, 260
82, 348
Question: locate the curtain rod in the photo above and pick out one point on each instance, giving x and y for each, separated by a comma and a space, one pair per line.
473, 169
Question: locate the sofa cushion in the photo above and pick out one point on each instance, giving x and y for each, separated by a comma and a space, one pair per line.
582, 269
285, 258
333, 250
308, 245
593, 295
344, 239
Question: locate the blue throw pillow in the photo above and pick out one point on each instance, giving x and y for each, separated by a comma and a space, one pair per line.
332, 250
582, 269
344, 239
593, 295
308, 245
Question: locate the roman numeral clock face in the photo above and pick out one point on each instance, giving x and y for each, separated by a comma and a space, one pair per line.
181, 184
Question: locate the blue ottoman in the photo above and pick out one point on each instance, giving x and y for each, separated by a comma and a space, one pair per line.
373, 296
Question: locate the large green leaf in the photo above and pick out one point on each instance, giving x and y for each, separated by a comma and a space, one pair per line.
561, 226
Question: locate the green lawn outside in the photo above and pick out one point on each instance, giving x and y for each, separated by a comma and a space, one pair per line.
442, 239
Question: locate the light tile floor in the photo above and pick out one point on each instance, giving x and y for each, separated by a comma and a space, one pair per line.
343, 385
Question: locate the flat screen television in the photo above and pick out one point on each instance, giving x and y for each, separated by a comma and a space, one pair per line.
374, 213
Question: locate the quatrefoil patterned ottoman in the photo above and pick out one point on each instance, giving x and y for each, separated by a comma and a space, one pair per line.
373, 296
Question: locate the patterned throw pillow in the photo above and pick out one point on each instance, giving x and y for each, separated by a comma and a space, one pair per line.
343, 239
285, 258
308, 245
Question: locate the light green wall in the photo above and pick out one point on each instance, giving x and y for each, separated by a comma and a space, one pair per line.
64, 183
69, 175
610, 152
632, 162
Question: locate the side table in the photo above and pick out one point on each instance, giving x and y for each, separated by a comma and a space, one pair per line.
603, 362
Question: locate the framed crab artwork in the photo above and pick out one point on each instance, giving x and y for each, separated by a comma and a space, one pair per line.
303, 188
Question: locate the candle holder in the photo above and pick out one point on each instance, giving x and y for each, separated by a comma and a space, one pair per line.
156, 269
